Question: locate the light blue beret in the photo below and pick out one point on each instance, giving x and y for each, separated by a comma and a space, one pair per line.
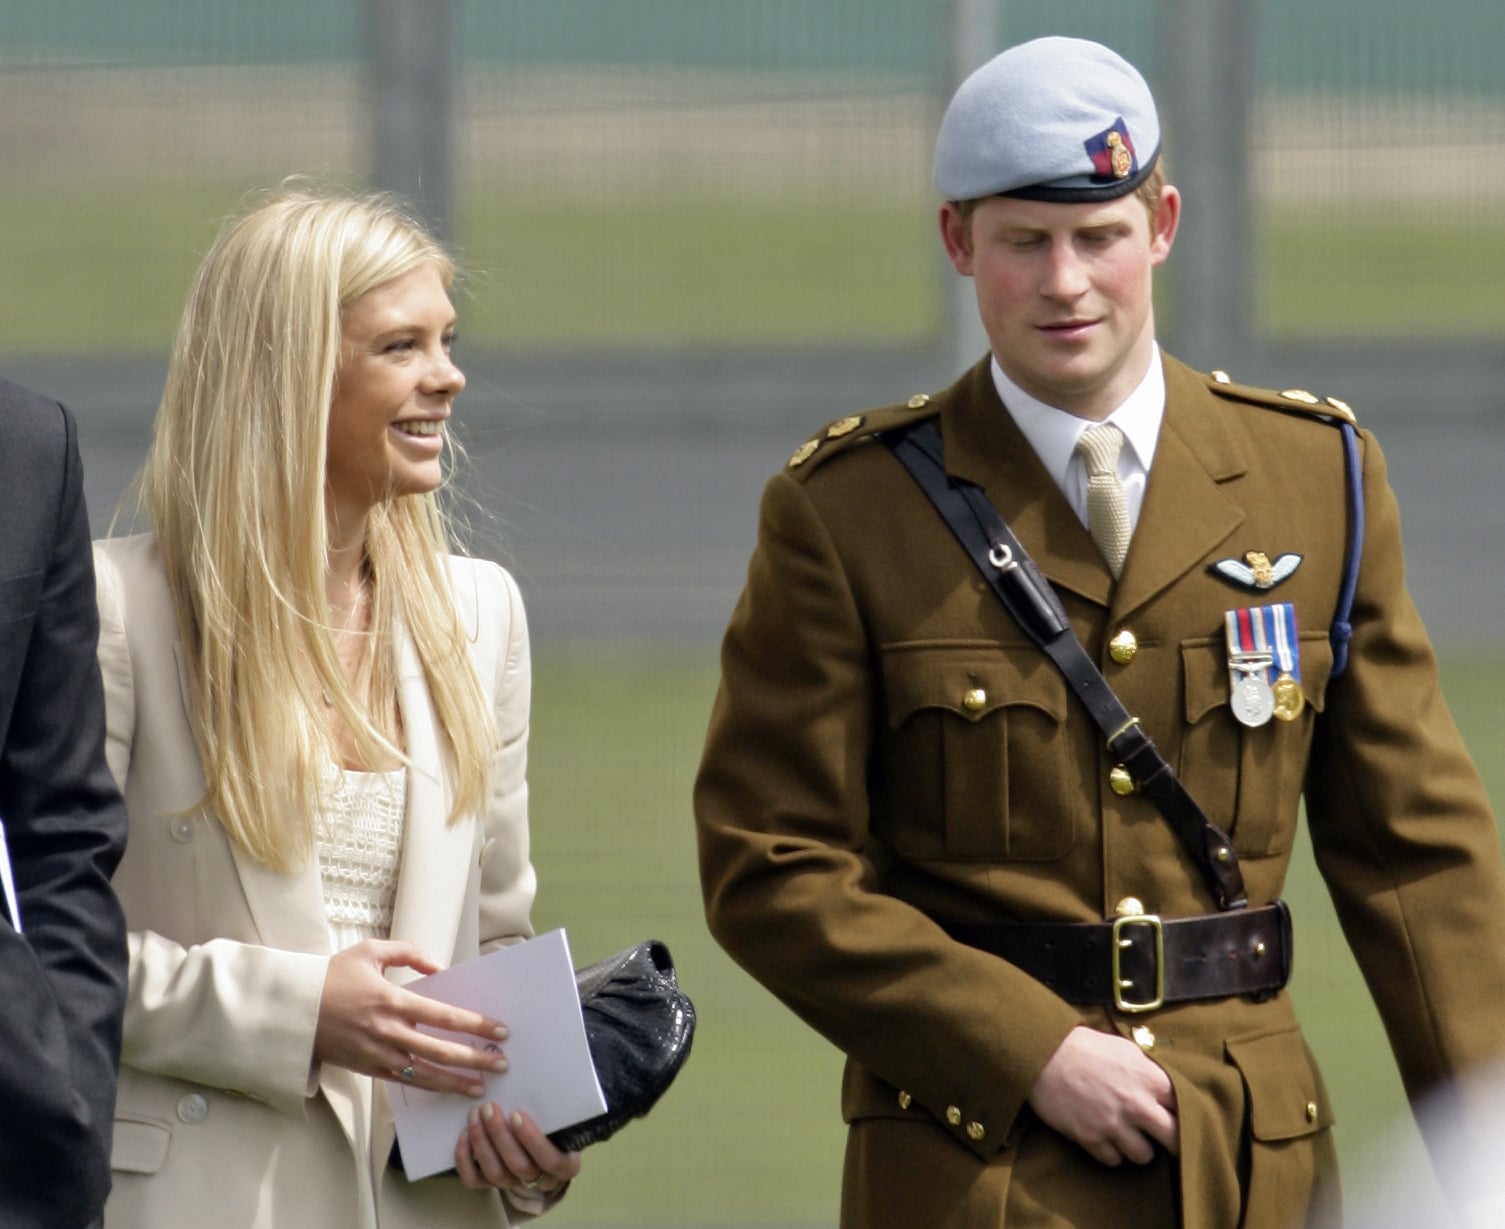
1055, 119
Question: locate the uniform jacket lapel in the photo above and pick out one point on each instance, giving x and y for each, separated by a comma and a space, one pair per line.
984, 445
1189, 508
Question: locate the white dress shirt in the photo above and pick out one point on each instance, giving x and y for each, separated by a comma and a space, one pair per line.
1053, 434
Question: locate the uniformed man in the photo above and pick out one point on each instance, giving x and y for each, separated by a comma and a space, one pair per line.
1062, 1001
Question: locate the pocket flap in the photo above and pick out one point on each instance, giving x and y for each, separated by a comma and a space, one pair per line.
140, 1147
969, 680
1286, 1098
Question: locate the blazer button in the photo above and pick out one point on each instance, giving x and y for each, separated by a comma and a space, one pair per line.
905, 1100
1121, 782
181, 829
975, 699
976, 1131
953, 1116
193, 1108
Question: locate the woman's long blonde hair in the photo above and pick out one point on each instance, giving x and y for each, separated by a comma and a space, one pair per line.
234, 482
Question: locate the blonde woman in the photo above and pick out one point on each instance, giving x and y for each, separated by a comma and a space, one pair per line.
318, 718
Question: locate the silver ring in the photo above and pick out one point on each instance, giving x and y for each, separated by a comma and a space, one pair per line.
406, 1074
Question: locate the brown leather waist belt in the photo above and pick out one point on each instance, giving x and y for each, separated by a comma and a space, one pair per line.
1141, 963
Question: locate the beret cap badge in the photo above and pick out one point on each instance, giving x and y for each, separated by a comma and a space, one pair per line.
1112, 152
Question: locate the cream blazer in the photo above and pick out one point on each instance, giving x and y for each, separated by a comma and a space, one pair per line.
223, 1117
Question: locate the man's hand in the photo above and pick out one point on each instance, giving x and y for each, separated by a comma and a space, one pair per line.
1104, 1093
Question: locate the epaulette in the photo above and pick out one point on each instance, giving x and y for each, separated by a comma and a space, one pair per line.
1290, 401
855, 429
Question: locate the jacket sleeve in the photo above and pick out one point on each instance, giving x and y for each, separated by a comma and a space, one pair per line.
1402, 827
792, 870
64, 977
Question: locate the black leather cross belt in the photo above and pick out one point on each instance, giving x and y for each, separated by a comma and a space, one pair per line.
1141, 963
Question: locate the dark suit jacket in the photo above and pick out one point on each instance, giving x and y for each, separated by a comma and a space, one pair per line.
63, 981
854, 790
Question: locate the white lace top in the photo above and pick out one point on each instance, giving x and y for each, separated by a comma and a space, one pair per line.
360, 851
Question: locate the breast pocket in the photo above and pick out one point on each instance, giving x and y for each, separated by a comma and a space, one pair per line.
1248, 779
975, 762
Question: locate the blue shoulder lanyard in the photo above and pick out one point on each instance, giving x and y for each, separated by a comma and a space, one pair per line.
1342, 630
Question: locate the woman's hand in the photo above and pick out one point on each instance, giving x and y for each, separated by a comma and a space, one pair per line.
371, 1026
511, 1154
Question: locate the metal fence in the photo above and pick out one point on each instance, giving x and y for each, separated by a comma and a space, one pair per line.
687, 218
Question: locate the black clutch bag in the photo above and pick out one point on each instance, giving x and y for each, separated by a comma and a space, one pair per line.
639, 1025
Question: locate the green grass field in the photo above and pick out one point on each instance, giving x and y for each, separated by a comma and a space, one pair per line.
105, 268
751, 1134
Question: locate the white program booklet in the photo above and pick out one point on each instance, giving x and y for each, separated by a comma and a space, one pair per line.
529, 987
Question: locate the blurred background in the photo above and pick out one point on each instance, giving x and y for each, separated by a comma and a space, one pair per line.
696, 230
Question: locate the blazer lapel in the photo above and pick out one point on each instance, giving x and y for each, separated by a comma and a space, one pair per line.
984, 446
431, 884
1187, 511
287, 907
436, 857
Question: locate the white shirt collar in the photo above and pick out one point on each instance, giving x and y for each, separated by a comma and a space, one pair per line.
1053, 432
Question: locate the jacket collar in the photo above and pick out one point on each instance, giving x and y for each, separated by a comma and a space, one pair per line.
1186, 511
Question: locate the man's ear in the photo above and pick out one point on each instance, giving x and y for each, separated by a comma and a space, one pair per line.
956, 234
1163, 223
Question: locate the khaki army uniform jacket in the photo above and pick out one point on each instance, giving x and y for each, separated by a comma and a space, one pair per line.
888, 750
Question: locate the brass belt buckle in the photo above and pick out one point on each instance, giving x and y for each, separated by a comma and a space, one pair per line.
1120, 945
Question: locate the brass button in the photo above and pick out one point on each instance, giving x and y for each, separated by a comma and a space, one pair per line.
975, 699
1143, 1037
1259, 950
1121, 782
1129, 906
919, 401
1311, 1111
1221, 377
905, 1100
953, 1116
976, 1131
1345, 410
1123, 646
845, 427
1222, 854
1299, 394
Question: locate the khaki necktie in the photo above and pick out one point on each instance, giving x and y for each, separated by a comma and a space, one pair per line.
1107, 510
